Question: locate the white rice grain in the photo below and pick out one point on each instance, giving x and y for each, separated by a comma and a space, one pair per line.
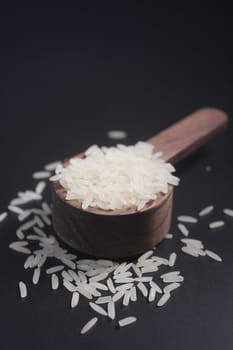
213, 255
133, 295
146, 255
41, 175
74, 299
15, 209
111, 286
25, 214
40, 187
36, 276
206, 210
111, 310
117, 134
165, 297
90, 324
127, 321
216, 224
126, 298
54, 281
183, 229
186, 218
103, 300
190, 251
141, 286
169, 236
152, 294
172, 259
228, 212
117, 296
54, 269
98, 309
3, 216
22, 289
52, 166
38, 221
170, 287
156, 287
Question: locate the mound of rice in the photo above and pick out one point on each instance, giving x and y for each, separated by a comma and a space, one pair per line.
120, 177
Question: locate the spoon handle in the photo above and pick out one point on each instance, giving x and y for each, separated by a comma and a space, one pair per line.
182, 138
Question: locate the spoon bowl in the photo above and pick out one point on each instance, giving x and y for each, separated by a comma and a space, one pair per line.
124, 233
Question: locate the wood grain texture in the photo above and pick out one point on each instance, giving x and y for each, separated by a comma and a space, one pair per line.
124, 233
112, 236
188, 134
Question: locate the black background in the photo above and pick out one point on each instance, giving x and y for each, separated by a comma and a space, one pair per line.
68, 75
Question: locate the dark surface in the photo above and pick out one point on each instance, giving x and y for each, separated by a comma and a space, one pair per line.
68, 76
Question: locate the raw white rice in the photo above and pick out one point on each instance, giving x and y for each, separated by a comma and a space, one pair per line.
152, 294
143, 279
117, 296
39, 231
40, 187
133, 295
117, 134
216, 224
74, 300
52, 166
169, 236
3, 216
136, 270
66, 276
41, 175
46, 208
15, 209
165, 297
46, 219
141, 286
27, 225
103, 300
146, 255
54, 281
38, 221
20, 249
25, 214
111, 286
99, 277
149, 268
183, 229
156, 287
82, 290
169, 274
190, 250
213, 255
172, 259
124, 286
170, 287
29, 262
22, 289
118, 177
127, 321
122, 275
206, 210
126, 298
124, 280
173, 279
228, 212
186, 218
89, 325
36, 276
111, 310
55, 269
100, 286
98, 309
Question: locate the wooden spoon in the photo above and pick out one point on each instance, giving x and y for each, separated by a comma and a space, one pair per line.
123, 233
